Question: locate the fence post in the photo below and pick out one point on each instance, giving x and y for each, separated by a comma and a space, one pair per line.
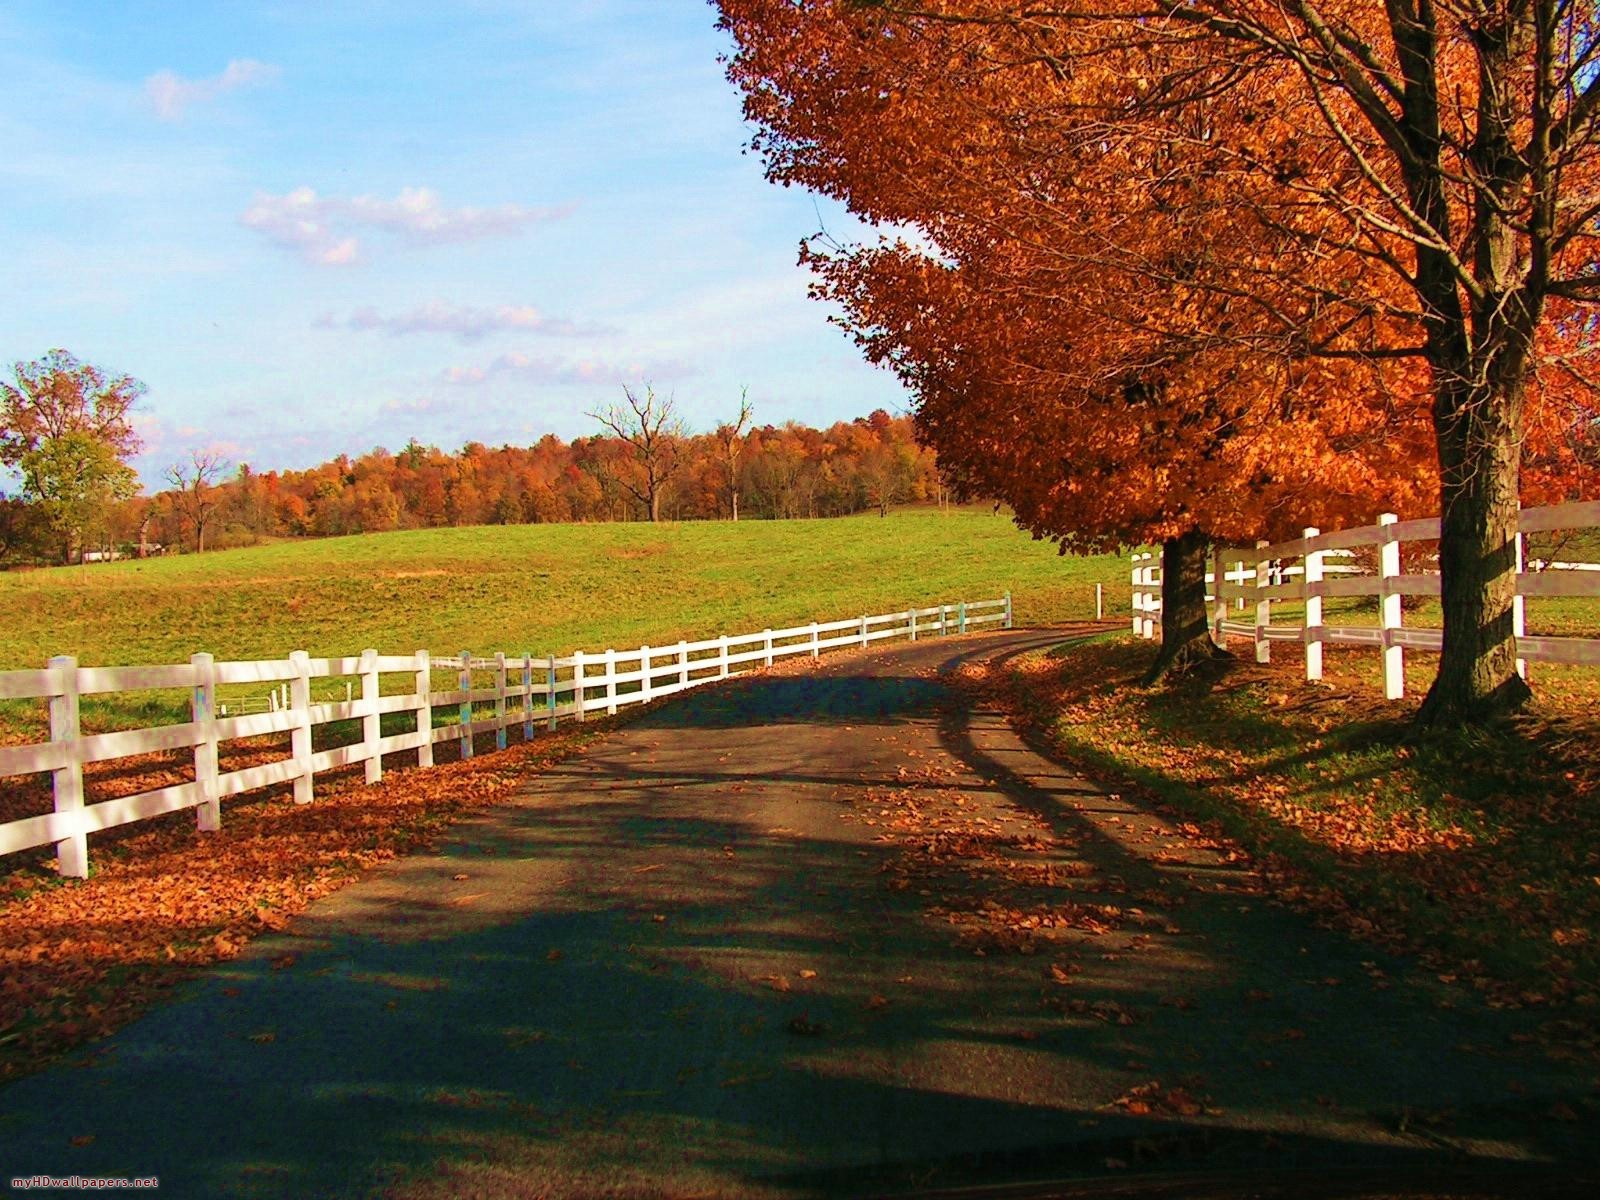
203, 712
1394, 669
72, 851
1151, 599
683, 664
944, 616
1099, 602
300, 737
816, 649
961, 617
424, 683
551, 680
722, 656
1263, 607
464, 712
577, 684
371, 736
644, 674
1008, 607
500, 699
1135, 596
1311, 591
1519, 610
1219, 606
527, 695
766, 645
863, 629
611, 682
913, 617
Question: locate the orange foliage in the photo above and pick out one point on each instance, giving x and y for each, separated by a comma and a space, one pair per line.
1128, 318
790, 470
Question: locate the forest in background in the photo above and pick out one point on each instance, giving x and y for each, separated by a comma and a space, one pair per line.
775, 472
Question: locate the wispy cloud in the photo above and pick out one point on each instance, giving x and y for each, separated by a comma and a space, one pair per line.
170, 93
528, 369
465, 322
323, 229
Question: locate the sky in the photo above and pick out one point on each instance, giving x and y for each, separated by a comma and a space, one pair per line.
315, 228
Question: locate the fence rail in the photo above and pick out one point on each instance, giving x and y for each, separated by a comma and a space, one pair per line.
1300, 571
530, 690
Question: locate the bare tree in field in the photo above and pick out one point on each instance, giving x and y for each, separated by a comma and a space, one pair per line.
650, 427
730, 436
195, 492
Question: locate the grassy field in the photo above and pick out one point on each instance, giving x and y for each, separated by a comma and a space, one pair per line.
526, 588
545, 588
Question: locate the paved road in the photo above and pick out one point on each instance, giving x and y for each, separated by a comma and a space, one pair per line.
710, 958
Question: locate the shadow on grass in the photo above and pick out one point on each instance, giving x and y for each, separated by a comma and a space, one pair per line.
1474, 842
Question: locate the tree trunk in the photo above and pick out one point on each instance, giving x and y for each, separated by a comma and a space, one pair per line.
1480, 352
735, 506
1185, 623
1479, 453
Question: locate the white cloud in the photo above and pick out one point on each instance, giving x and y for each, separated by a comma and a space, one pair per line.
320, 227
525, 368
170, 93
467, 323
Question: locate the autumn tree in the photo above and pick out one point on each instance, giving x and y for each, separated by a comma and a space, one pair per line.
1103, 410
1453, 146
66, 427
194, 491
1385, 184
730, 439
650, 428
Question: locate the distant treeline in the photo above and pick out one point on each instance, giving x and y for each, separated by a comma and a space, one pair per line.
783, 471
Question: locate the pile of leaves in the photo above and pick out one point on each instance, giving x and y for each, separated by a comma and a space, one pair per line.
1478, 850
80, 958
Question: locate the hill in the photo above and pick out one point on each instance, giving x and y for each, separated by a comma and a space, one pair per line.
544, 588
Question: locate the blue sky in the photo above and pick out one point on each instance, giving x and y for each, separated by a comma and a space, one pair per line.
314, 228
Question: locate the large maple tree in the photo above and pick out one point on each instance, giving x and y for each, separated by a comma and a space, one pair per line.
1241, 190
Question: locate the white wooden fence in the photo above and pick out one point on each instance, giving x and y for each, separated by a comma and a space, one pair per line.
528, 690
1299, 571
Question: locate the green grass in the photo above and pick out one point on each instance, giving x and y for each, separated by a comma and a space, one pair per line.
539, 588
